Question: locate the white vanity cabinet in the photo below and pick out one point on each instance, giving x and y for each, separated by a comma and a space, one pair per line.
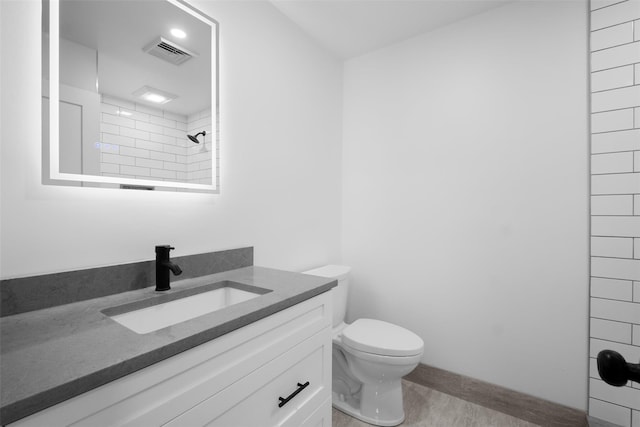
239, 379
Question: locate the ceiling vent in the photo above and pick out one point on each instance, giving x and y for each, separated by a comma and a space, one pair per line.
169, 51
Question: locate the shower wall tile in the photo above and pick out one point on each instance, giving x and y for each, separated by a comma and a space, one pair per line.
612, 163
615, 14
617, 247
615, 201
612, 205
142, 142
612, 36
607, 411
612, 289
628, 140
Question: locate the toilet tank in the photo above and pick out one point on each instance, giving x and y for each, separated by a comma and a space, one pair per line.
340, 292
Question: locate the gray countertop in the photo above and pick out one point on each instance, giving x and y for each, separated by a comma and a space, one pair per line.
48, 356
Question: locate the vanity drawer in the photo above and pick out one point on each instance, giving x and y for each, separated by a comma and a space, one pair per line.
301, 376
163, 391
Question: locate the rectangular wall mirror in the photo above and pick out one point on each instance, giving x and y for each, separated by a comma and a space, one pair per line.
130, 95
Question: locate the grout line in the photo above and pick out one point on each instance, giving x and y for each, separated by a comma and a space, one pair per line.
614, 88
604, 7
615, 45
614, 25
615, 109
613, 68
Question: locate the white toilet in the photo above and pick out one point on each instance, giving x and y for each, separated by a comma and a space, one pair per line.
369, 359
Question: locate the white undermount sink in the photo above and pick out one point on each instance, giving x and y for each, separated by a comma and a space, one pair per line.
170, 309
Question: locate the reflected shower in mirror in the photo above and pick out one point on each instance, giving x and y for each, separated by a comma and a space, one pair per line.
136, 90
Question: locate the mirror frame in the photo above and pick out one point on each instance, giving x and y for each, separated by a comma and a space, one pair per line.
51, 173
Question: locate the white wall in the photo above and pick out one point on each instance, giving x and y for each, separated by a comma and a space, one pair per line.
465, 195
280, 159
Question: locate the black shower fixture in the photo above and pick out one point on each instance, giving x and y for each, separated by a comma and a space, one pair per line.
194, 138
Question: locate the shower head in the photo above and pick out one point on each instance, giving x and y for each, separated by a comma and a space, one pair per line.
194, 138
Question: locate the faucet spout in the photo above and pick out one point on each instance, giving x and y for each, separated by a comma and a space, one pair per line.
163, 266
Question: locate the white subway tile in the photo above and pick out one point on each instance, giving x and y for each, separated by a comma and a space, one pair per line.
109, 168
606, 411
181, 159
636, 205
615, 56
593, 368
182, 176
636, 291
635, 419
162, 121
155, 155
174, 150
636, 248
118, 102
628, 351
149, 127
613, 99
118, 159
175, 166
627, 140
616, 268
636, 335
148, 145
611, 331
615, 226
118, 139
148, 110
599, 4
108, 128
621, 311
619, 247
109, 108
612, 163
625, 396
636, 161
148, 163
621, 183
612, 289
612, 205
117, 120
637, 23
201, 156
636, 117
612, 121
134, 170
175, 117
105, 147
615, 14
613, 78
134, 133
138, 116
181, 126
134, 152
612, 36
162, 139
192, 167
199, 124
637, 71
177, 133
161, 173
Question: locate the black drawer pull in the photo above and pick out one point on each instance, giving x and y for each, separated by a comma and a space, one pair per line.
284, 401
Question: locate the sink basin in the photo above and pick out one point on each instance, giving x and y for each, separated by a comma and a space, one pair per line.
176, 307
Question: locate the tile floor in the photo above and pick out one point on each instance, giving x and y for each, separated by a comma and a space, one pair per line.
425, 407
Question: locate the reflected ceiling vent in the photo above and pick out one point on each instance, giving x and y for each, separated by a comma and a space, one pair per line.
169, 51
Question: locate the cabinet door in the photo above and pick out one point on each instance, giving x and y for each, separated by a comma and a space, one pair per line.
290, 387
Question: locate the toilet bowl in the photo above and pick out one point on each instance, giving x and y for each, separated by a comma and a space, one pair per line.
370, 357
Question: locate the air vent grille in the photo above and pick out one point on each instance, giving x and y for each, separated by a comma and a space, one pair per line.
169, 51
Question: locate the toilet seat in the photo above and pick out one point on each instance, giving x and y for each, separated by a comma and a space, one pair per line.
381, 338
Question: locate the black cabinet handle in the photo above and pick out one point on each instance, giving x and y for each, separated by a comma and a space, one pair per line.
284, 401
614, 370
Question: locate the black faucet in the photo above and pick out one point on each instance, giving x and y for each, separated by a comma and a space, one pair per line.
163, 265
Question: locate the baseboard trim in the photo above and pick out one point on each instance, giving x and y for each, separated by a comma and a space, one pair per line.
516, 404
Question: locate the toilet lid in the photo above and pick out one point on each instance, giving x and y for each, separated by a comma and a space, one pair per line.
378, 337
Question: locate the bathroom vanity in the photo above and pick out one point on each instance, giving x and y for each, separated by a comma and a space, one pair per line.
265, 361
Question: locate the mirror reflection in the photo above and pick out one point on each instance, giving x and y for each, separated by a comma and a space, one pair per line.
137, 98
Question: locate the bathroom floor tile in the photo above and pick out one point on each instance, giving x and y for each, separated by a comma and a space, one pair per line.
425, 407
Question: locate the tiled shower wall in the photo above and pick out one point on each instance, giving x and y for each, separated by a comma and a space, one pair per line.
615, 202
137, 141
